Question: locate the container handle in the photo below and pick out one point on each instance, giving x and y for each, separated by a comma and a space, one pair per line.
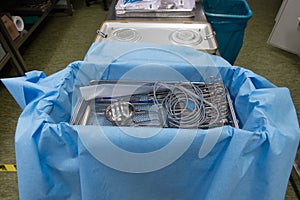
101, 34
209, 36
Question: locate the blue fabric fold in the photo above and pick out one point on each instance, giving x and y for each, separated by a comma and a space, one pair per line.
30, 88
253, 161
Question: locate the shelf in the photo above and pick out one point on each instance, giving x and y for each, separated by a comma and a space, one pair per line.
21, 10
42, 14
9, 56
7, 51
21, 39
4, 60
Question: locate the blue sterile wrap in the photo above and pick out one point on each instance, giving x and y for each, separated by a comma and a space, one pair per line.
131, 1
56, 160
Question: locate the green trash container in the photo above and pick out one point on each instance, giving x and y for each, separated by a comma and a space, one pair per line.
229, 20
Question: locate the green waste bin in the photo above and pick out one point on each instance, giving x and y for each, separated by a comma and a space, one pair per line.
229, 20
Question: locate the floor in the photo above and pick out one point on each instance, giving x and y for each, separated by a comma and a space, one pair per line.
63, 39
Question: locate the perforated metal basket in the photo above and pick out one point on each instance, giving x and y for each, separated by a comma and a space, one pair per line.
146, 107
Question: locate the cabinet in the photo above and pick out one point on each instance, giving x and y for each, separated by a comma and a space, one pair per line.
21, 8
9, 56
286, 31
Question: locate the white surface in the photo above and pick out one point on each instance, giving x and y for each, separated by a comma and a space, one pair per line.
286, 34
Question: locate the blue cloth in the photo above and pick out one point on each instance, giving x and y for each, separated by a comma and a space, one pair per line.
56, 160
131, 1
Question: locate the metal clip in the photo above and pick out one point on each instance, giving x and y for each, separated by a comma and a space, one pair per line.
101, 34
207, 37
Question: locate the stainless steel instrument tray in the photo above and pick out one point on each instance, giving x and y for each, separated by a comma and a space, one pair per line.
156, 8
86, 111
198, 35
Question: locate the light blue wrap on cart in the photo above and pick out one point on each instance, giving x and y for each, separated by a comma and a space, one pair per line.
56, 160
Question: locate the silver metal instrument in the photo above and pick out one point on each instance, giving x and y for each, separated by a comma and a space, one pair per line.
169, 104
